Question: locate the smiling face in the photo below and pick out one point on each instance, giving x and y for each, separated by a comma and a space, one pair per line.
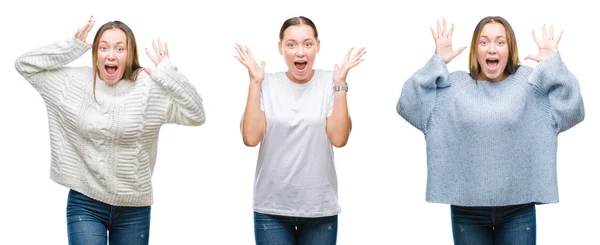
112, 55
492, 52
299, 47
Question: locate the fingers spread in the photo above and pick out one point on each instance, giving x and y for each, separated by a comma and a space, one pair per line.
155, 47
544, 33
438, 29
433, 33
559, 37
444, 28
262, 66
151, 56
535, 38
348, 54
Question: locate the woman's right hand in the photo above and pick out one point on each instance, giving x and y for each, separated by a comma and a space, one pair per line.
82, 32
257, 73
443, 42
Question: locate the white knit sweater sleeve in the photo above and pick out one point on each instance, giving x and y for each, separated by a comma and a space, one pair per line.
185, 104
43, 64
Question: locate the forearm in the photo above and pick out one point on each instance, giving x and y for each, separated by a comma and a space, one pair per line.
254, 121
418, 95
561, 89
49, 57
339, 123
187, 108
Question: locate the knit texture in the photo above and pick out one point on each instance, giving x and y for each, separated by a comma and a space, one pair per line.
106, 148
492, 143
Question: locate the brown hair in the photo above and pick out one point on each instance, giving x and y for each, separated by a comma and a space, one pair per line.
298, 21
133, 65
513, 52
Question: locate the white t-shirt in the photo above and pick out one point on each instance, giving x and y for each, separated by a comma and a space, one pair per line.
295, 174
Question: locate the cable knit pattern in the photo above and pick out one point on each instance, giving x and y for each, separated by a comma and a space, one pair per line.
492, 143
106, 147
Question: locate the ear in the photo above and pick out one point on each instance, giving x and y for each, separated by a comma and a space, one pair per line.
280, 48
318, 45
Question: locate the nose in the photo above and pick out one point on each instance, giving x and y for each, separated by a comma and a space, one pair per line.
111, 54
492, 48
300, 51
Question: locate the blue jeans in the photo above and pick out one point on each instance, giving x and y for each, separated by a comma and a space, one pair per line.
89, 221
503, 225
284, 230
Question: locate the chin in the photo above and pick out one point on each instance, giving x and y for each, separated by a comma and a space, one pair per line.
111, 82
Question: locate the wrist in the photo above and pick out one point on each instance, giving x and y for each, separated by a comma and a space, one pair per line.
340, 88
254, 85
339, 83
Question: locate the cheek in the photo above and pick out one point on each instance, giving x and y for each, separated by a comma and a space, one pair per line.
288, 54
481, 53
312, 54
505, 53
101, 58
122, 59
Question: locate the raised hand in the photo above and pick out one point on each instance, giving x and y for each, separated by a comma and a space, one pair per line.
82, 32
547, 45
161, 51
256, 73
341, 71
443, 42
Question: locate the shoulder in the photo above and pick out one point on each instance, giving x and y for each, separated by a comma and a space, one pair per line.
273, 78
143, 77
524, 71
460, 77
323, 74
323, 77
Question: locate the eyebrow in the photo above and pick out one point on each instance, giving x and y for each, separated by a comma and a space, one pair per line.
102, 41
308, 39
489, 37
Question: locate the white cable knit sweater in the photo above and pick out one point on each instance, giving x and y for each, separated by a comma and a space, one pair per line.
106, 148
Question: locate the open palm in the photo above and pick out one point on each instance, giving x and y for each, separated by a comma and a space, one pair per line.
443, 42
547, 45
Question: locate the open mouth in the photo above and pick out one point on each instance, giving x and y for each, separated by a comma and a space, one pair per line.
300, 65
111, 69
492, 63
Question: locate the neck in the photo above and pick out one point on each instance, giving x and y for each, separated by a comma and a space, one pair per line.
501, 78
299, 81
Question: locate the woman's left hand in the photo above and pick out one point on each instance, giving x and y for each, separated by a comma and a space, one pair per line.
161, 51
341, 71
547, 45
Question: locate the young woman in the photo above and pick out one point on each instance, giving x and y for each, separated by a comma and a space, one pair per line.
492, 133
104, 122
297, 116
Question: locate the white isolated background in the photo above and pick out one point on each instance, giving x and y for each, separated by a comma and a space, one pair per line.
204, 175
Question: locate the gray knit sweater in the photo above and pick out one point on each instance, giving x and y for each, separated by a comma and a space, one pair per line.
492, 143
